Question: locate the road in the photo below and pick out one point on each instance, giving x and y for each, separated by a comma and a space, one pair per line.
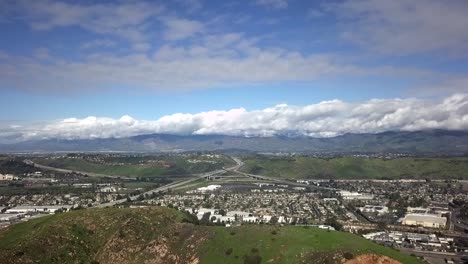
266, 178
30, 162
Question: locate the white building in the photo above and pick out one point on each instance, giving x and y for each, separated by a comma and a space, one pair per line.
374, 209
7, 177
227, 219
202, 211
266, 218
425, 220
108, 189
50, 209
250, 219
347, 195
208, 188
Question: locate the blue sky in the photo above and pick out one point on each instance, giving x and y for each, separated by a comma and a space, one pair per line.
150, 59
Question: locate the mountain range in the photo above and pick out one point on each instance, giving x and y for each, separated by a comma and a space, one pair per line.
437, 142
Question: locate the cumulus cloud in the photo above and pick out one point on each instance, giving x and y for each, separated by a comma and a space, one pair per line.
325, 119
405, 26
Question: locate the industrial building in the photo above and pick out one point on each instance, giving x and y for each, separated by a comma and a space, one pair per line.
425, 220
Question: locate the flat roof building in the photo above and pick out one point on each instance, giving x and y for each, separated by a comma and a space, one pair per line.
425, 220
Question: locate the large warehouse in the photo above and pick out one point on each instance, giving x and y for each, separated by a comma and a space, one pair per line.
425, 220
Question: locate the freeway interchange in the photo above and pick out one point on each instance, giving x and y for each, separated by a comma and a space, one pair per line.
178, 184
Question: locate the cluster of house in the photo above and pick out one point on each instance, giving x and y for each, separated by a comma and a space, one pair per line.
299, 208
15, 214
241, 217
230, 216
430, 242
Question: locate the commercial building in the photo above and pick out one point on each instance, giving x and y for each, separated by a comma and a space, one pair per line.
38, 209
425, 220
347, 195
7, 177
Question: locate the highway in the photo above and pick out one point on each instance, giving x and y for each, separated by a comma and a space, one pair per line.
193, 177
266, 178
30, 162
176, 184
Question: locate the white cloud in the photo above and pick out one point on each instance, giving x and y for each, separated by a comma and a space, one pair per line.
178, 28
329, 118
218, 60
122, 19
405, 26
276, 4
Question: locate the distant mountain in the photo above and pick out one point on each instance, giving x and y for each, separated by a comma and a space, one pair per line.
430, 142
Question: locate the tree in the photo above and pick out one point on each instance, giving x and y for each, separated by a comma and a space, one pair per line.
382, 226
274, 220
206, 218
333, 222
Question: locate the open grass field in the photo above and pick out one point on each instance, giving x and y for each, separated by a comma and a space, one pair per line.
161, 235
284, 244
132, 168
357, 168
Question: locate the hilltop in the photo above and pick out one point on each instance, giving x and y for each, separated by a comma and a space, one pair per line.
163, 235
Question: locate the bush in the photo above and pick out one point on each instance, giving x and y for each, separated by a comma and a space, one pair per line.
348, 255
228, 251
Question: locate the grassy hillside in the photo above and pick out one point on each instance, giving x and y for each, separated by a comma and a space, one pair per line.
357, 168
175, 166
161, 235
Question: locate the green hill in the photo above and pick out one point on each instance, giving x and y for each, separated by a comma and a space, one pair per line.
162, 235
357, 168
137, 166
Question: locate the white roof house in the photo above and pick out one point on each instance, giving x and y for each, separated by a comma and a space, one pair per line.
250, 219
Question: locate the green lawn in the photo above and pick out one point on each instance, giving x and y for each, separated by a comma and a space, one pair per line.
357, 168
281, 245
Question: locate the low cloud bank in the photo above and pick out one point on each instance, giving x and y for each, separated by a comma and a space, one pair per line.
324, 119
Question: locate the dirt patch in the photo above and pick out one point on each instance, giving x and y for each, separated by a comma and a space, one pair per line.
372, 259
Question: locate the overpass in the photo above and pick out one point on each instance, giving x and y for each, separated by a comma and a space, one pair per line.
271, 179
